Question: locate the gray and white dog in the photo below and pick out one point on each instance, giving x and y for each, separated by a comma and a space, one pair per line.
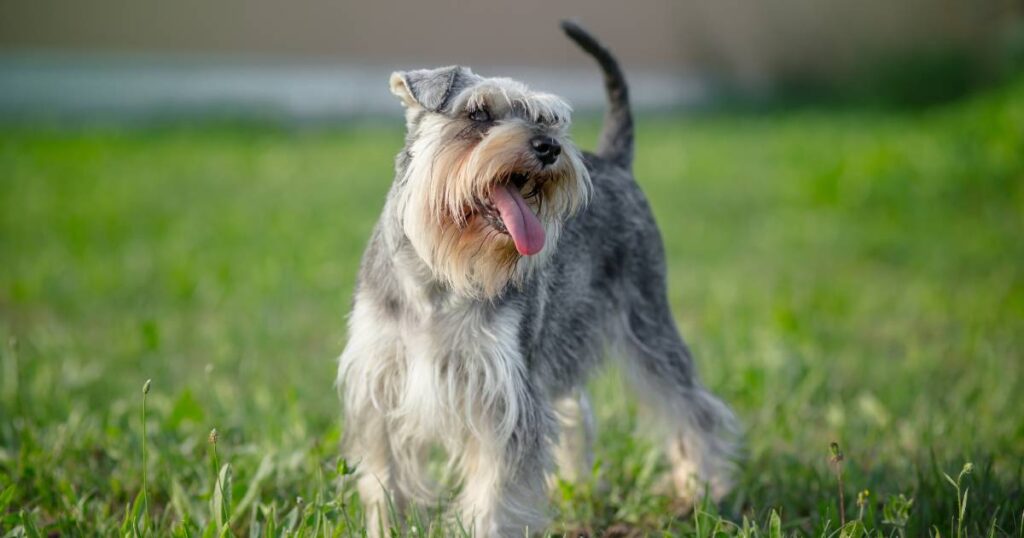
505, 263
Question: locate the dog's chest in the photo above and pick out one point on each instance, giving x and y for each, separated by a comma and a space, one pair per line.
462, 369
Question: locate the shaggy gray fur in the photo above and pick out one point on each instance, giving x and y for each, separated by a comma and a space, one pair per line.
485, 377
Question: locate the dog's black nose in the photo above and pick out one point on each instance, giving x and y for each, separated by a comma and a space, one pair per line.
546, 148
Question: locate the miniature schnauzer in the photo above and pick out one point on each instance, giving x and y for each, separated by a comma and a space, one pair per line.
505, 263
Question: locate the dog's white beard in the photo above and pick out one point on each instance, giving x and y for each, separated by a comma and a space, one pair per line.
443, 179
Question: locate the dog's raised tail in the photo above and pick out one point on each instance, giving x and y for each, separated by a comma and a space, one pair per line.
616, 141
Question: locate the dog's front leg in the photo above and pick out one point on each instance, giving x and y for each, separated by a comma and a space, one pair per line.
369, 376
505, 483
376, 469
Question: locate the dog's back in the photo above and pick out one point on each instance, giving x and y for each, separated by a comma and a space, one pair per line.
609, 255
606, 287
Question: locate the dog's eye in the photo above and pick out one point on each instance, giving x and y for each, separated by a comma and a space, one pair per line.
480, 115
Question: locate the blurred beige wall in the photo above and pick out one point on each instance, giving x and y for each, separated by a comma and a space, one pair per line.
751, 41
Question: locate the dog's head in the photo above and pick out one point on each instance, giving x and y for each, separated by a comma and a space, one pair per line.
487, 176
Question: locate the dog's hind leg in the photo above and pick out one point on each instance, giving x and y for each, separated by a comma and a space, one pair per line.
574, 454
700, 428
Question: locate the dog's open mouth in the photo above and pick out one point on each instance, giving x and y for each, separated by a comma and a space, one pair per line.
507, 211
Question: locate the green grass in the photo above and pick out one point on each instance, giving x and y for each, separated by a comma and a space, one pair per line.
849, 276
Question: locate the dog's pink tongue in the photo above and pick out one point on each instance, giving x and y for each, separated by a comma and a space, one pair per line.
520, 221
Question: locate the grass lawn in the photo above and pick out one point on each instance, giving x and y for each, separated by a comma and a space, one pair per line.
850, 276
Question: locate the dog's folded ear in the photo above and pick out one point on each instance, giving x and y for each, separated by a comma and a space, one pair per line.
431, 89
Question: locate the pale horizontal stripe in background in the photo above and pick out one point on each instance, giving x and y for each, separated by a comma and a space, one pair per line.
126, 87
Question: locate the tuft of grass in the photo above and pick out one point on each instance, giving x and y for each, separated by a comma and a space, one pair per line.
839, 275
836, 459
961, 499
145, 482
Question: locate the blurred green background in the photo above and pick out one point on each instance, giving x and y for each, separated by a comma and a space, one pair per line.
846, 260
